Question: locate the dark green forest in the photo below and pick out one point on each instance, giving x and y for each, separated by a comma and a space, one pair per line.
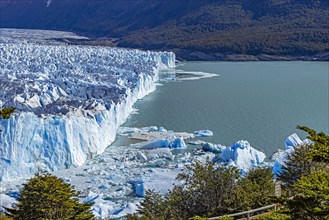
280, 28
193, 29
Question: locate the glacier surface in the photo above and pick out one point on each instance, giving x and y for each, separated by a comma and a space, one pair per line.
70, 101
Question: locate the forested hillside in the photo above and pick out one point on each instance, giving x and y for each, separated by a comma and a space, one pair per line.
194, 29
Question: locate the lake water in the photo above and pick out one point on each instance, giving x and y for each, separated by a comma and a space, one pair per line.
261, 102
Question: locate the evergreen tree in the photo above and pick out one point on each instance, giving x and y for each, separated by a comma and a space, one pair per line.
297, 164
153, 206
320, 149
48, 197
206, 190
254, 190
311, 197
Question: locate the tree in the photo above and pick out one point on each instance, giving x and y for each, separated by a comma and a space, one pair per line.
205, 190
6, 112
308, 169
153, 206
254, 190
48, 197
311, 197
320, 149
297, 164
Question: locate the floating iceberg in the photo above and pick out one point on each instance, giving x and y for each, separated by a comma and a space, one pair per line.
214, 148
292, 141
242, 155
203, 133
176, 143
70, 101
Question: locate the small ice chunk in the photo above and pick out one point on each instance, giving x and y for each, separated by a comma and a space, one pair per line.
138, 187
6, 201
307, 141
129, 208
203, 133
196, 142
214, 148
151, 128
152, 156
178, 143
293, 141
142, 157
104, 186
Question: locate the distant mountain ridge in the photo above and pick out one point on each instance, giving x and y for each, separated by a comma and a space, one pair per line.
194, 29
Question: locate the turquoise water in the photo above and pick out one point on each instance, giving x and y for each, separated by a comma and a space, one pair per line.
261, 102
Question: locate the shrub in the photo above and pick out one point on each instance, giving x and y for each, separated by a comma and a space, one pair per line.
254, 190
6, 112
48, 197
311, 197
274, 216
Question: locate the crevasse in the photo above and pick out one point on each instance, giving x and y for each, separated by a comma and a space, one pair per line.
70, 102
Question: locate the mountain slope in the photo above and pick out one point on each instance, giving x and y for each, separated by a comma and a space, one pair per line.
194, 29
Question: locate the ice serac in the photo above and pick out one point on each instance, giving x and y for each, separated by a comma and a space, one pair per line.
242, 155
70, 101
292, 141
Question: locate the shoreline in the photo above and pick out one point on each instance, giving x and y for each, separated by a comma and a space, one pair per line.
194, 55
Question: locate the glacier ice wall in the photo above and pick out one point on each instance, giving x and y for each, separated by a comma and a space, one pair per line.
70, 101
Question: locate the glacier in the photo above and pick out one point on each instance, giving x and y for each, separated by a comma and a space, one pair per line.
70, 101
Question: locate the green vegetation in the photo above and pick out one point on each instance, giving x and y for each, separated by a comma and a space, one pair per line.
310, 198
320, 149
198, 218
208, 190
48, 197
274, 216
255, 190
6, 112
297, 165
278, 28
3, 217
216, 28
